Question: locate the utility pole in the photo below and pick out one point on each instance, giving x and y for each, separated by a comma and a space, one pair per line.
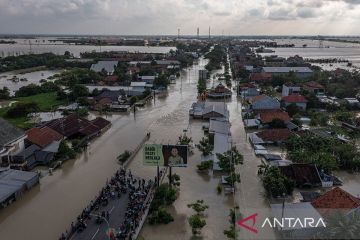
209, 32
198, 31
178, 33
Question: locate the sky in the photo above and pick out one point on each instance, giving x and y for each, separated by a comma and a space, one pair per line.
146, 17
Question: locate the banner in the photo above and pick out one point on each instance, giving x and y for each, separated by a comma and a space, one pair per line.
165, 155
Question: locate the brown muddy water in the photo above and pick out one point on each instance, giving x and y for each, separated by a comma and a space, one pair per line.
47, 210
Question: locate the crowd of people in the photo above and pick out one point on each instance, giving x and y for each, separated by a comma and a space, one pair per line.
123, 182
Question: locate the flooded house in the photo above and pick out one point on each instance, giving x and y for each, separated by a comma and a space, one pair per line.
11, 141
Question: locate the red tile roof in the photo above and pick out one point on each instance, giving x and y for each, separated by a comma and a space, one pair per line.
72, 125
313, 84
101, 122
294, 98
269, 116
112, 78
260, 77
274, 135
43, 136
336, 199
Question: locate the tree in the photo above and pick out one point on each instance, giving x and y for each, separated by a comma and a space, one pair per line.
133, 100
231, 232
197, 223
277, 123
199, 207
78, 91
184, 140
292, 109
22, 110
276, 184
205, 147
4, 93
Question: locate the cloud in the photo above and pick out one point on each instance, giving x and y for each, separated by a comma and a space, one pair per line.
165, 16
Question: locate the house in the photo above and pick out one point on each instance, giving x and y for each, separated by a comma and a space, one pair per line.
260, 77
108, 66
274, 136
207, 110
301, 211
352, 101
267, 116
42, 136
108, 97
300, 72
13, 183
140, 86
147, 79
73, 126
248, 90
219, 126
304, 175
297, 99
111, 80
220, 91
336, 200
11, 141
314, 87
289, 89
264, 102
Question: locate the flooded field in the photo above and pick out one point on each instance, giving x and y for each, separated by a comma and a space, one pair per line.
32, 77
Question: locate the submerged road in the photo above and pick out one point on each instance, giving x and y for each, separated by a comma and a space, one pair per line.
47, 210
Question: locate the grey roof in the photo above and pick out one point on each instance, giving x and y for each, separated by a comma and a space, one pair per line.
167, 62
287, 69
12, 181
219, 126
113, 95
221, 145
300, 210
52, 147
107, 65
8, 133
272, 157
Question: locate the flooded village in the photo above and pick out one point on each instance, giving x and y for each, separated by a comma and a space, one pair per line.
266, 134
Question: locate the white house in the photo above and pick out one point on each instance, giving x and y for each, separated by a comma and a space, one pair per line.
289, 89
11, 140
108, 66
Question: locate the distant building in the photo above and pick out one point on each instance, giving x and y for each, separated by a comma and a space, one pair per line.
314, 87
260, 77
208, 110
108, 66
300, 72
220, 91
289, 89
140, 86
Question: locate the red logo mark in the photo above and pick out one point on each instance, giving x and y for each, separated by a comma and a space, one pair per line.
253, 218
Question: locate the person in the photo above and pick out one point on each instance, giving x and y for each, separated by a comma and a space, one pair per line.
175, 158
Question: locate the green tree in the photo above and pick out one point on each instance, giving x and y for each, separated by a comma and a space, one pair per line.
276, 184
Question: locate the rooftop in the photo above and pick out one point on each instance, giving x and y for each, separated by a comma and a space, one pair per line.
295, 98
336, 199
269, 116
43, 136
302, 174
274, 135
8, 133
287, 69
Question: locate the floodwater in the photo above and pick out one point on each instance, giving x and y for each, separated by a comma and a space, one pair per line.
42, 45
32, 77
47, 210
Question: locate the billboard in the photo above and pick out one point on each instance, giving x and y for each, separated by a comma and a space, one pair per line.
165, 155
